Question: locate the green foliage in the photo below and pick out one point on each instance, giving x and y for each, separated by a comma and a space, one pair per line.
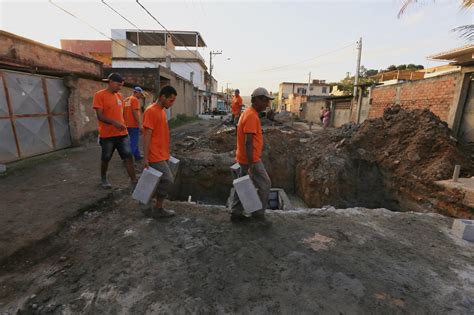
181, 119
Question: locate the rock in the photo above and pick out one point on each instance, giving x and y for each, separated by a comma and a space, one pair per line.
413, 156
32, 296
361, 151
341, 143
396, 162
62, 258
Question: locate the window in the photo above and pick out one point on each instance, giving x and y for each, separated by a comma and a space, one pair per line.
301, 91
325, 89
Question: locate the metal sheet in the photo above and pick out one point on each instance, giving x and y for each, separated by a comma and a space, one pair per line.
26, 93
8, 151
58, 95
61, 131
3, 101
33, 135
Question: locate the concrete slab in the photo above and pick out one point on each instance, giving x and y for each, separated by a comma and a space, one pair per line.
146, 185
466, 185
235, 169
174, 165
464, 229
247, 194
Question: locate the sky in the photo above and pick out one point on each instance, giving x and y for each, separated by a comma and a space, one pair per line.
264, 43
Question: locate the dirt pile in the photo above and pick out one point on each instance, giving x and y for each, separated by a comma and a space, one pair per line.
387, 162
413, 144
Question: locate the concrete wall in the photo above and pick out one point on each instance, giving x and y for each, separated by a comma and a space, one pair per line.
186, 100
312, 110
341, 113
82, 118
26, 52
436, 94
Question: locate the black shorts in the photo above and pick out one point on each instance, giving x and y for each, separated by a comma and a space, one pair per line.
121, 143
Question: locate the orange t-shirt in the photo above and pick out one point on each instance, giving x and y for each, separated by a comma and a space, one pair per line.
112, 107
249, 123
236, 105
131, 104
154, 118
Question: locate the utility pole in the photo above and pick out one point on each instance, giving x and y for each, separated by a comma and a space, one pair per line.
309, 84
359, 53
209, 89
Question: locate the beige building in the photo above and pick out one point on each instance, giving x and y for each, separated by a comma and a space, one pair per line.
288, 92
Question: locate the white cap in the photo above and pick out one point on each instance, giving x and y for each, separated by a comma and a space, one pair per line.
262, 92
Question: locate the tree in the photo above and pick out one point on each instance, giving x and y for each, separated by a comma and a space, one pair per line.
392, 68
401, 67
465, 31
371, 72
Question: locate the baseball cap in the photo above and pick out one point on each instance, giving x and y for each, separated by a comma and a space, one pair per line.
114, 77
138, 89
262, 92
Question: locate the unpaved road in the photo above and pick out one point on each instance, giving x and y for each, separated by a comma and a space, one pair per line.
111, 260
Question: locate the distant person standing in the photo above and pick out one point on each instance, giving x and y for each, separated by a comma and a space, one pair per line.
321, 115
326, 118
156, 148
236, 106
131, 114
113, 134
249, 152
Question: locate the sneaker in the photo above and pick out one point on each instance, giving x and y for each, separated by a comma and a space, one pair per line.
238, 218
162, 213
105, 183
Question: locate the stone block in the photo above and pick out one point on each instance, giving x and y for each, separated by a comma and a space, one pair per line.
235, 169
464, 229
146, 185
174, 165
247, 194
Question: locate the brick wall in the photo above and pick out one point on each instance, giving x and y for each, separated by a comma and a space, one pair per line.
23, 51
436, 94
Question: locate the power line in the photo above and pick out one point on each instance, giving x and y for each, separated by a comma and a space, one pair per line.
142, 31
95, 29
309, 59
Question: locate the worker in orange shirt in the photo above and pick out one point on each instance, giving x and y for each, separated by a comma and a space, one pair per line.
156, 148
131, 114
236, 106
249, 153
113, 134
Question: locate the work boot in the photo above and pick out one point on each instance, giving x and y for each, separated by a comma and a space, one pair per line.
238, 217
162, 213
105, 183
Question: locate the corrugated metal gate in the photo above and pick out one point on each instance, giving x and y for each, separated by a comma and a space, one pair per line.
33, 115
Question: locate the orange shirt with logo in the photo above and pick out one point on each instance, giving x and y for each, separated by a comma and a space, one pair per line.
112, 108
236, 105
154, 118
249, 123
131, 104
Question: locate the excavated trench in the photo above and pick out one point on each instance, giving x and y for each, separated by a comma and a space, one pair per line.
341, 179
